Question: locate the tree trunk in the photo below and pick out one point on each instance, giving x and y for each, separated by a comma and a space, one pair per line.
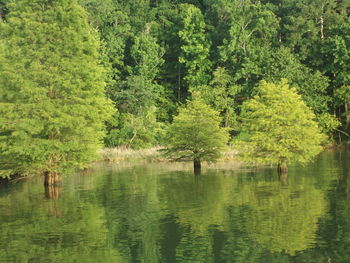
197, 166
227, 117
346, 109
52, 185
282, 166
52, 179
322, 33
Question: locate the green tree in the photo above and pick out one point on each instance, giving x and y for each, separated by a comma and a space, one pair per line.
52, 99
246, 50
194, 47
336, 58
221, 94
3, 10
311, 85
136, 96
115, 30
196, 134
278, 127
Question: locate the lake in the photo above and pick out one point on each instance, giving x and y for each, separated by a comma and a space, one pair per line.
163, 213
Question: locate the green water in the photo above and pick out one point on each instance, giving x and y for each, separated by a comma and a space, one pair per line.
162, 213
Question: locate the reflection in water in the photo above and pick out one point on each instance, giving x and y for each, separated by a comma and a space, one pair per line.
52, 192
163, 213
283, 179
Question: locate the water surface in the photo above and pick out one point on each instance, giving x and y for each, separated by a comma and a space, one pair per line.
163, 213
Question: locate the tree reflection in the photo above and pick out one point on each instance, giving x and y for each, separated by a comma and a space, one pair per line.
65, 230
157, 215
270, 215
283, 219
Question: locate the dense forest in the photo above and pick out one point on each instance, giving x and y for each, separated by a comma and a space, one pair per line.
149, 56
160, 51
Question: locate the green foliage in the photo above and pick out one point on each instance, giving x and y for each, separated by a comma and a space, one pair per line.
312, 86
194, 47
336, 54
140, 90
196, 133
3, 10
52, 100
221, 94
157, 52
135, 131
279, 126
137, 95
250, 40
252, 34
328, 123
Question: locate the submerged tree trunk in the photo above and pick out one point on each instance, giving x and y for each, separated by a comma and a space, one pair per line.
52, 192
283, 179
282, 166
52, 185
52, 179
197, 166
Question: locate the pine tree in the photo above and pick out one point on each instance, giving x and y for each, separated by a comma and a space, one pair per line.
277, 127
196, 134
52, 100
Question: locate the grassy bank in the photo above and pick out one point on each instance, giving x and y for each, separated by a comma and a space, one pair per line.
150, 155
119, 154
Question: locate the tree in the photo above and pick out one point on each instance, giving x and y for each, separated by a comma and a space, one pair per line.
311, 85
196, 134
277, 127
246, 50
52, 99
336, 58
2, 10
194, 47
221, 94
137, 95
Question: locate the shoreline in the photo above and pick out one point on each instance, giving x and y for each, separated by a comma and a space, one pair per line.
122, 154
119, 155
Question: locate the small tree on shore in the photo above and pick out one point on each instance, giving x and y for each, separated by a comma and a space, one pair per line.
196, 134
277, 127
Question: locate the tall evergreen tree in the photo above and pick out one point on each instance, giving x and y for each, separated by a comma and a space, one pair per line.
52, 99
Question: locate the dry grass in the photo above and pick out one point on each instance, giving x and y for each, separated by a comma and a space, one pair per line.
229, 155
120, 154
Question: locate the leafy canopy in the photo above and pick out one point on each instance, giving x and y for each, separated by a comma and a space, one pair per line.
196, 133
277, 125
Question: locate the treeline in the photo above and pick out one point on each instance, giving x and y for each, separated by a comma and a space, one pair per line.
65, 63
158, 52
161, 51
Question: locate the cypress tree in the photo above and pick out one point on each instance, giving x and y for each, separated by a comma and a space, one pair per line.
196, 134
52, 99
277, 127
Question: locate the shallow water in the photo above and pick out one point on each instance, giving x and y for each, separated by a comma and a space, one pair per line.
163, 213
